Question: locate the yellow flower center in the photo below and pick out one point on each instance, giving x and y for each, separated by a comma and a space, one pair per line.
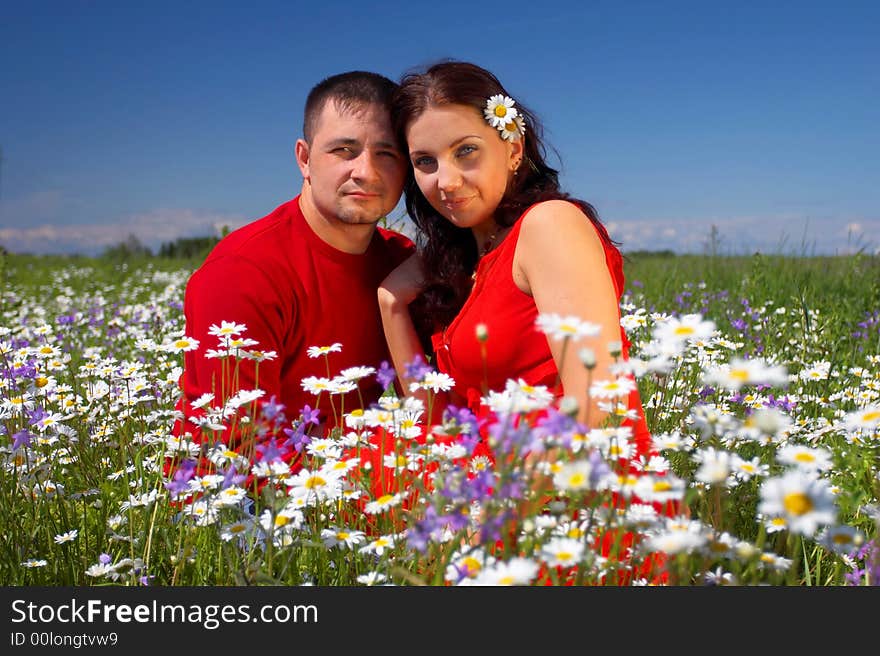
315, 481
577, 480
181, 343
500, 111
41, 381
511, 127
662, 486
384, 499
842, 538
797, 503
871, 416
684, 330
739, 374
472, 564
805, 457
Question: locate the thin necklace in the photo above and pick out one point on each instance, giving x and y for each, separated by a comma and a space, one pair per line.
490, 243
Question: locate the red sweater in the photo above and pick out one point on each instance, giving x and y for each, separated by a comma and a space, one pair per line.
292, 291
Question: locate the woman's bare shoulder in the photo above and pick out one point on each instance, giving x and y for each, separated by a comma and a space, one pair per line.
558, 223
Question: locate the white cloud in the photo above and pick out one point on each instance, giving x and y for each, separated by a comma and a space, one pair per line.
744, 235
151, 228
784, 234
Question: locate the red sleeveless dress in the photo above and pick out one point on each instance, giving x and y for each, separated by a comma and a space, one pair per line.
515, 348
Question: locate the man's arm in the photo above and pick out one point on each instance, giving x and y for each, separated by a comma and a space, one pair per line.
232, 297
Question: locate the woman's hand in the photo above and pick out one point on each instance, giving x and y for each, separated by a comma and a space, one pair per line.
403, 284
397, 291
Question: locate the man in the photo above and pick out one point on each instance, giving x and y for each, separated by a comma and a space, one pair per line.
293, 295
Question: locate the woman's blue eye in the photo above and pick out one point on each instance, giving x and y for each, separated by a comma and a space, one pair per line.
467, 150
423, 161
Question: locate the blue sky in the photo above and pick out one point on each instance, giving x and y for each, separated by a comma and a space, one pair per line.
166, 119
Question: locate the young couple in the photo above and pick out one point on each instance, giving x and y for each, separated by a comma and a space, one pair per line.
499, 243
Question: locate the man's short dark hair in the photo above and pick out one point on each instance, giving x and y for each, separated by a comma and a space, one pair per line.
348, 90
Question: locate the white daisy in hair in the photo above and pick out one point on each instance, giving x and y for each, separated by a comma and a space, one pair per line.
500, 110
513, 130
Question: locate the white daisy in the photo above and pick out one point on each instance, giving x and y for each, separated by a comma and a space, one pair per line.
609, 389
318, 351
356, 373
804, 501
805, 458
499, 110
513, 130
659, 489
226, 328
687, 328
383, 503
774, 524
841, 539
237, 529
516, 571
864, 419
434, 381
182, 344
70, 536
379, 545
741, 372
744, 469
341, 537
569, 327
101, 569
467, 565
564, 552
316, 385
573, 476
715, 466
371, 578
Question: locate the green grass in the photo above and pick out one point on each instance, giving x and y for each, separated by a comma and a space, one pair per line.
803, 313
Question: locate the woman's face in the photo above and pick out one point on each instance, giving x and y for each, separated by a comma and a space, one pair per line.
461, 163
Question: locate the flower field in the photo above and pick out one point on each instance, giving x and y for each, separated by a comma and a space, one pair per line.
760, 379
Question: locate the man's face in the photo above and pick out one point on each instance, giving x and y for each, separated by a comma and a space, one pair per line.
354, 166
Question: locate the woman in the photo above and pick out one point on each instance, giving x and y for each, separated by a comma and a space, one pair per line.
500, 244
